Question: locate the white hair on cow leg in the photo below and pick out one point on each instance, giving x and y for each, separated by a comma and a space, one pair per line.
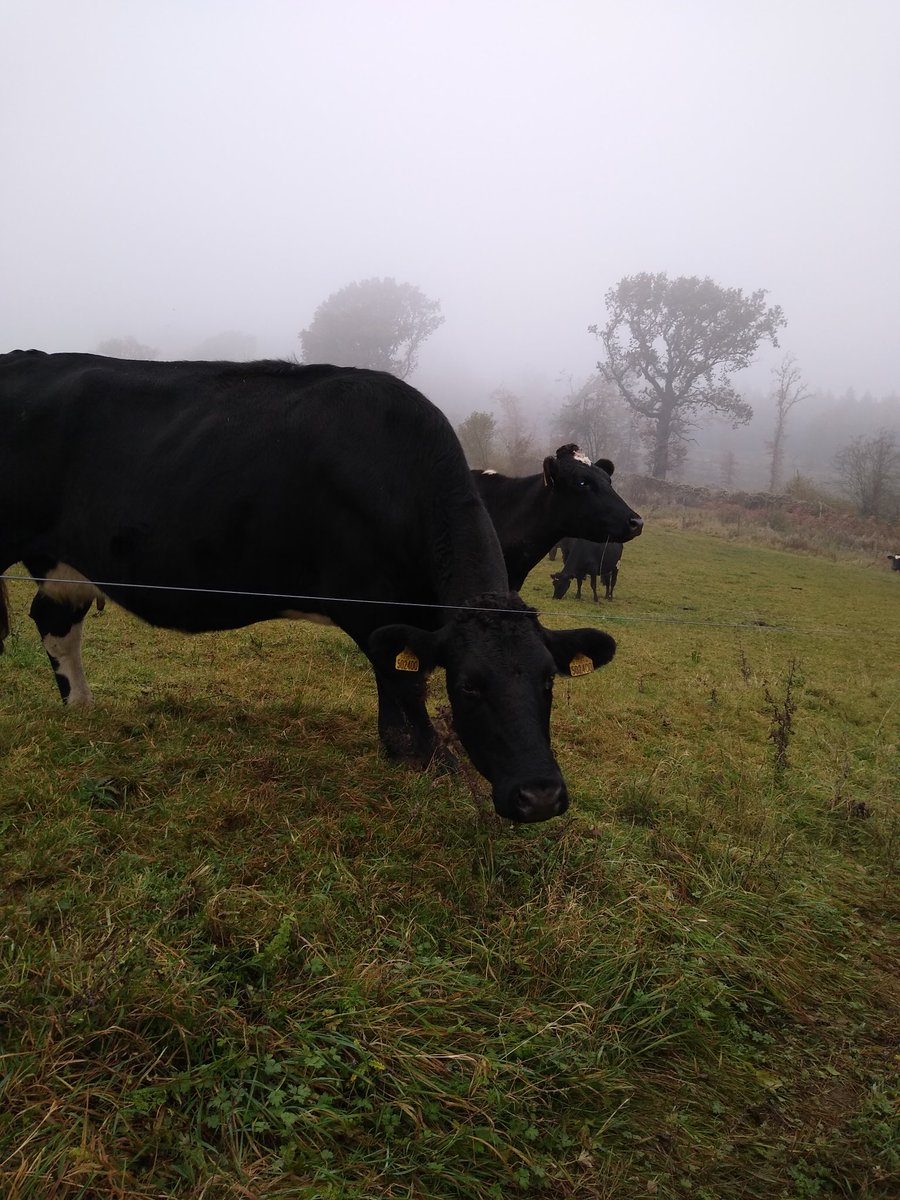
65, 658
70, 586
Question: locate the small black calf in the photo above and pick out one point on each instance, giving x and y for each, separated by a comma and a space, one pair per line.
588, 559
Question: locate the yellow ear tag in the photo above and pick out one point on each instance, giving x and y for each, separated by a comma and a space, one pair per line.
406, 661
581, 665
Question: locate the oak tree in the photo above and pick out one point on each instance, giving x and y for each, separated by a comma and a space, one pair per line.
376, 323
671, 346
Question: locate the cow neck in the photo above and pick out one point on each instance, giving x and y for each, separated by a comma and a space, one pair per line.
467, 557
525, 539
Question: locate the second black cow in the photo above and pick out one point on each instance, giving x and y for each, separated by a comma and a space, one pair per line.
571, 498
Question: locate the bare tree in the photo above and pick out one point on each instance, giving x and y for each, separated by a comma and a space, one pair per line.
517, 435
868, 471
727, 469
788, 391
477, 435
671, 346
596, 417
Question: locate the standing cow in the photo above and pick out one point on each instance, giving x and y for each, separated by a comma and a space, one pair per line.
586, 560
572, 497
210, 495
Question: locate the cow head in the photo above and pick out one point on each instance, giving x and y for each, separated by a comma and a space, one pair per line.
500, 666
585, 503
561, 583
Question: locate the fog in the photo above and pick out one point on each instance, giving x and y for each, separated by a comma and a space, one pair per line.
181, 168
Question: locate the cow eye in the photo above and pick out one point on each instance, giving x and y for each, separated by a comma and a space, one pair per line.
470, 688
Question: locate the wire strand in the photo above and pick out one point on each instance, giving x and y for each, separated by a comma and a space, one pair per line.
647, 618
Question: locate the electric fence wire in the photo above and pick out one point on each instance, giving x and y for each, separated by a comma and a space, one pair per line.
639, 618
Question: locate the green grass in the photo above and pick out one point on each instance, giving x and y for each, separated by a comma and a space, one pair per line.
243, 956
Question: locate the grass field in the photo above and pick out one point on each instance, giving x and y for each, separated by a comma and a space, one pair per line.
246, 958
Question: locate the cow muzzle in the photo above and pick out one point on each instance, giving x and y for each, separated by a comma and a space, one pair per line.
534, 802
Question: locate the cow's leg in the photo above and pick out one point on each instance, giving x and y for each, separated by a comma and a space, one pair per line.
404, 726
594, 588
60, 623
579, 581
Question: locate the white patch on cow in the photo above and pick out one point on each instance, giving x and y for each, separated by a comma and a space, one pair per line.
582, 458
70, 586
66, 655
294, 614
489, 471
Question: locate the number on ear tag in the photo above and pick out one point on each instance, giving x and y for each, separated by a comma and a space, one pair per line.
406, 661
581, 665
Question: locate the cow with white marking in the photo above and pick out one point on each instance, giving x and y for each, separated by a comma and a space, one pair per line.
572, 497
210, 495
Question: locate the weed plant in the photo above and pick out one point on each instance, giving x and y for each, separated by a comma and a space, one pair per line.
243, 956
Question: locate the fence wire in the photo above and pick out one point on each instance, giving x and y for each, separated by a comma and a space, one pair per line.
639, 618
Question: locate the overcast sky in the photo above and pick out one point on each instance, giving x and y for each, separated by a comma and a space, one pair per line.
177, 168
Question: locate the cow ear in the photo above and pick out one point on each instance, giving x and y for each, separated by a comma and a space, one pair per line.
605, 465
579, 651
403, 648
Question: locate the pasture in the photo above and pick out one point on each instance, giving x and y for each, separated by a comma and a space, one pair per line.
244, 957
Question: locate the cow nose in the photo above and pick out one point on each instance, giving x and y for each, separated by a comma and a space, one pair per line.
541, 802
635, 524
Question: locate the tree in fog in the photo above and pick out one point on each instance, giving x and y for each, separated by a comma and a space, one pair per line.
788, 390
727, 469
868, 471
516, 435
230, 345
671, 346
477, 435
126, 347
375, 323
599, 421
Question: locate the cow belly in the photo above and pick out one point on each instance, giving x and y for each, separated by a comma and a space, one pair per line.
294, 614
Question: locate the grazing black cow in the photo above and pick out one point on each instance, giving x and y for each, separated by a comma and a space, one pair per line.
210, 495
586, 560
572, 497
894, 561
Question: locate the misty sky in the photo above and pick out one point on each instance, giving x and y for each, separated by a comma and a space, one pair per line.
178, 168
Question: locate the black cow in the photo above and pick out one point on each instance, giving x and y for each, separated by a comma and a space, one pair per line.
572, 497
894, 561
583, 560
210, 495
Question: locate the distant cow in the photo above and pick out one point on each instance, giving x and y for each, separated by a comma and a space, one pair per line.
211, 495
587, 560
572, 497
894, 560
